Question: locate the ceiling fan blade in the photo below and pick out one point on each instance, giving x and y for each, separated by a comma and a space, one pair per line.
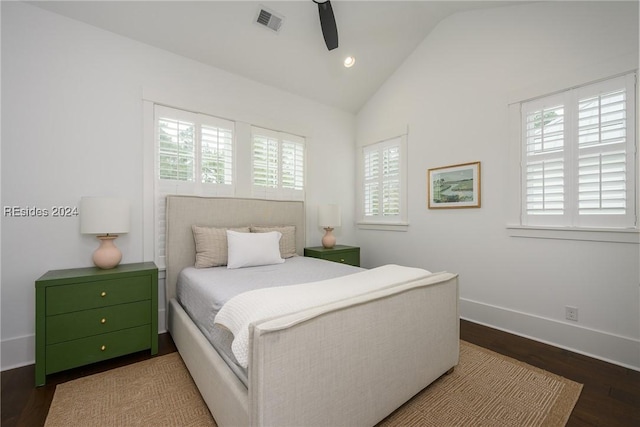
328, 24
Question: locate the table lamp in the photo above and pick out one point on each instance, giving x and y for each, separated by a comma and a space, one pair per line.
106, 217
328, 218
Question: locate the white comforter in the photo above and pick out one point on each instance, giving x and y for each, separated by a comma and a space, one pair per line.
253, 306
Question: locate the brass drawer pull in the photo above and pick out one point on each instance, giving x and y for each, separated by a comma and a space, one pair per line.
103, 294
103, 320
103, 348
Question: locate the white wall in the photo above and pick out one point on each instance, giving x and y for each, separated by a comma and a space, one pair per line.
72, 116
72, 126
453, 93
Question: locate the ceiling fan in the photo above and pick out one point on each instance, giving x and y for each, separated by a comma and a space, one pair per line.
328, 23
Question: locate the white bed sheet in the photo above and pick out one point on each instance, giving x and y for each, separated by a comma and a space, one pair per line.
202, 292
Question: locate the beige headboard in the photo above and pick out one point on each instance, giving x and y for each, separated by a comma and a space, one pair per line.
184, 211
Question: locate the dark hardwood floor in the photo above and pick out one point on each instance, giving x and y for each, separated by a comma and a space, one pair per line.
23, 404
610, 396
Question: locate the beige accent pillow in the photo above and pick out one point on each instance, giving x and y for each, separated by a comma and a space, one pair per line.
287, 241
211, 245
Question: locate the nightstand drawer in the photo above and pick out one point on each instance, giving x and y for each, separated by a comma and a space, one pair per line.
103, 293
339, 253
351, 258
74, 353
80, 324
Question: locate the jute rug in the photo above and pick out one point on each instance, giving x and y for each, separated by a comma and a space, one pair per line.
485, 389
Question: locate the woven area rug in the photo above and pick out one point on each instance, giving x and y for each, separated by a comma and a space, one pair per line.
485, 389
489, 389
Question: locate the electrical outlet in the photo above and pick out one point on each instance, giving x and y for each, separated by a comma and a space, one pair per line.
571, 313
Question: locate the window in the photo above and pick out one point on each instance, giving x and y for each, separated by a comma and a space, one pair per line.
384, 182
194, 151
578, 157
277, 164
193, 156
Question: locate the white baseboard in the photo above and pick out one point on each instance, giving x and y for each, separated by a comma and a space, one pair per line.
623, 351
162, 320
18, 352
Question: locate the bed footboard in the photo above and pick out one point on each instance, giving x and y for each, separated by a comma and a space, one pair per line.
223, 392
354, 362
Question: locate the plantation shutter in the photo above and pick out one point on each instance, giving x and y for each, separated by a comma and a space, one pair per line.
265, 161
277, 165
194, 156
391, 180
604, 154
292, 165
382, 192
371, 181
176, 149
578, 156
216, 153
545, 185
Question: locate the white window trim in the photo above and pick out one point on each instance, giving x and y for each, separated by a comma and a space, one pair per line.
395, 224
148, 184
514, 186
242, 161
399, 226
583, 234
154, 187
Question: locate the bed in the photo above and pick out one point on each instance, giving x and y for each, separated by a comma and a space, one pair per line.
351, 361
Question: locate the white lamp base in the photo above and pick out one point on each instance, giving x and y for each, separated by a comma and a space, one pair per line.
328, 240
107, 255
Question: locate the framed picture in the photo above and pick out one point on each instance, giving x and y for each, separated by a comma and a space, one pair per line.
456, 186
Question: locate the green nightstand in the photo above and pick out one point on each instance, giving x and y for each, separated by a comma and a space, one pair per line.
339, 253
86, 315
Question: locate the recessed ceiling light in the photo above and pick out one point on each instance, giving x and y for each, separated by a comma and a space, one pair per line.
349, 61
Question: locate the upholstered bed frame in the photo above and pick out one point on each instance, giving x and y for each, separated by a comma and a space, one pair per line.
348, 363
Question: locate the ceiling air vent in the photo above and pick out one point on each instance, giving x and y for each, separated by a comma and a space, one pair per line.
269, 19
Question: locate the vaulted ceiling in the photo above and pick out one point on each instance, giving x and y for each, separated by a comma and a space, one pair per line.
224, 34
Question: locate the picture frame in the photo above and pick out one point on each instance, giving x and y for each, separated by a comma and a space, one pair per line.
454, 187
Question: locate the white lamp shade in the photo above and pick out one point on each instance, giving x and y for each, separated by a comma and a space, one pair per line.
329, 216
104, 215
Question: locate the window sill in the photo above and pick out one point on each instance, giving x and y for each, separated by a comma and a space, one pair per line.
631, 235
383, 226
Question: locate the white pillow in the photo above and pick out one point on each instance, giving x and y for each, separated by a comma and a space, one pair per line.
251, 249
